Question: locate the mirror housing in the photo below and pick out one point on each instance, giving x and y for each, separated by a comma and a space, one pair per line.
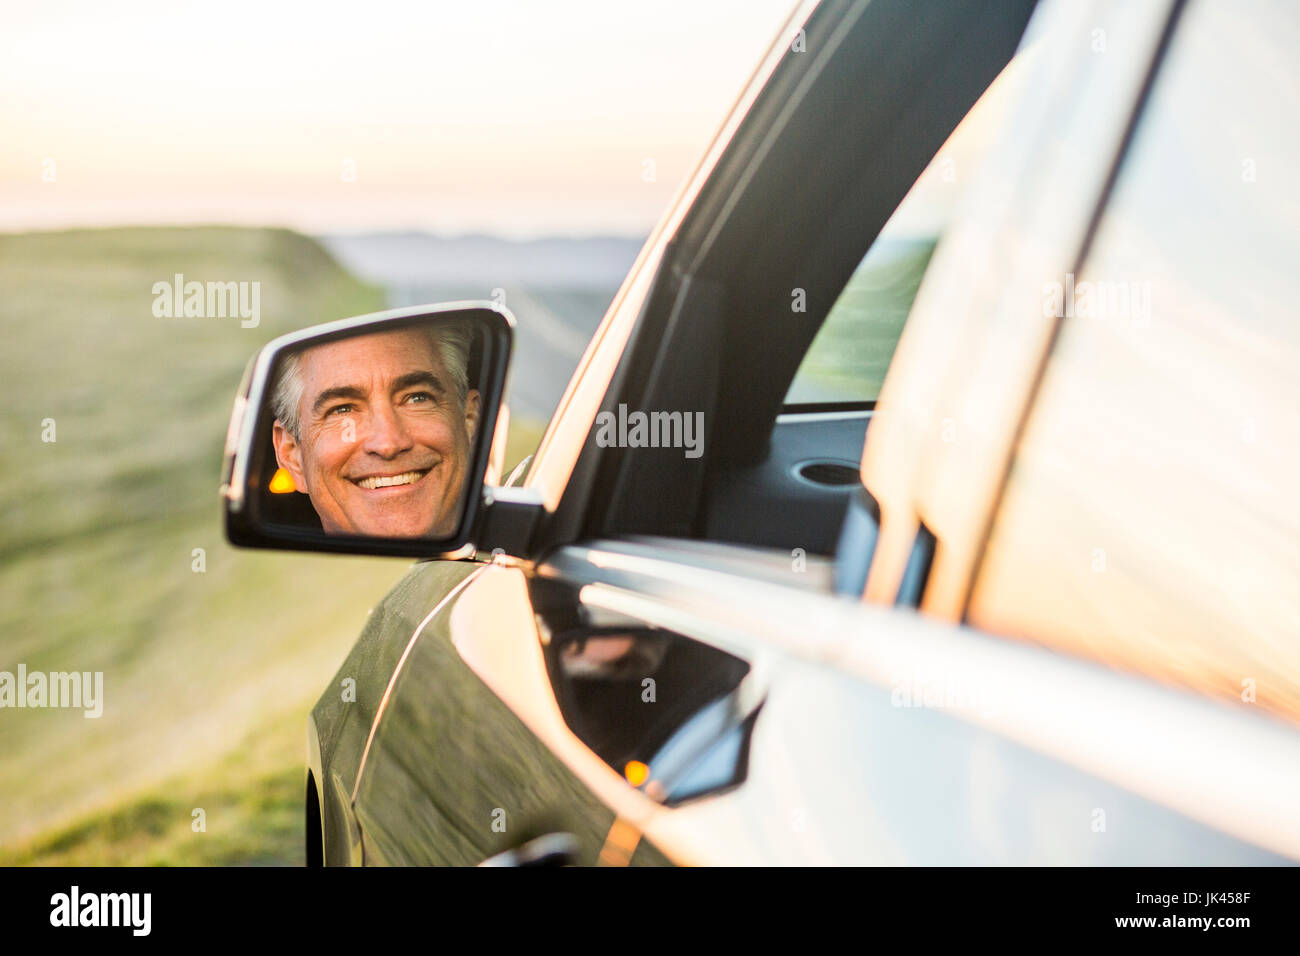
370, 395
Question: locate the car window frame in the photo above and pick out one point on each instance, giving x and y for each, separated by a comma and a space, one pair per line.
698, 283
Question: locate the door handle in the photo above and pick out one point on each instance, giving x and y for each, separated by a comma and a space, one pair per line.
550, 849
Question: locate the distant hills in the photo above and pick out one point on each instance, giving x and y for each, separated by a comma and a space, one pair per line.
416, 257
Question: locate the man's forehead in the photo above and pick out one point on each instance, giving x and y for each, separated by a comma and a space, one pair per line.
355, 361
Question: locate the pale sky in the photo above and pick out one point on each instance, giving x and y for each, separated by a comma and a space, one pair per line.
518, 118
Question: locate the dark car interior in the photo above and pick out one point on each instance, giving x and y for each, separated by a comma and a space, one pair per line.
824, 158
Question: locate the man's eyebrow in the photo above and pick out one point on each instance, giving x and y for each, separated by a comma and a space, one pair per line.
411, 379
340, 391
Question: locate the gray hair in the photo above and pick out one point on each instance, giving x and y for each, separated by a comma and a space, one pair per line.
452, 339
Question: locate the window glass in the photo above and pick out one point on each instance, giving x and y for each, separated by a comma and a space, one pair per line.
1151, 518
851, 352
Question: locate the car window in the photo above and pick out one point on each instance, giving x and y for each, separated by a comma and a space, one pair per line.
1150, 518
848, 358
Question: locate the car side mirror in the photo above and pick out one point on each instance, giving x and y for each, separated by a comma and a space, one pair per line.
371, 435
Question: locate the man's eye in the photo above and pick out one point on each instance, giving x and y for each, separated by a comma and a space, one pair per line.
420, 398
339, 410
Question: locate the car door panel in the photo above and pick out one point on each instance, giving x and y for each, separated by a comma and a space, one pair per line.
453, 776
340, 723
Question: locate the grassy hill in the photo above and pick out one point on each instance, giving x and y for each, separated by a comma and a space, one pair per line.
852, 351
207, 675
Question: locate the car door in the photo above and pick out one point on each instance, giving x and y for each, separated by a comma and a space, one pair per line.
428, 792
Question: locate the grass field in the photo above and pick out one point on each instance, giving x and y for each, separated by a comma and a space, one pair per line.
208, 672
852, 351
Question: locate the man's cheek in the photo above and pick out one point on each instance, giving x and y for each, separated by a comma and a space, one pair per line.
443, 433
319, 477
330, 455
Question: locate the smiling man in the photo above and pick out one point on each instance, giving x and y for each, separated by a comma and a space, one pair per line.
378, 430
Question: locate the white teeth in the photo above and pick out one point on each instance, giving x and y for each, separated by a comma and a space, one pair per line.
408, 478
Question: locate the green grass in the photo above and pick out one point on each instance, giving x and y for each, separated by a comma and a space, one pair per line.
252, 803
207, 676
852, 351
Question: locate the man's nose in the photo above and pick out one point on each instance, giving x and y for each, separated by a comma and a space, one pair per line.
386, 435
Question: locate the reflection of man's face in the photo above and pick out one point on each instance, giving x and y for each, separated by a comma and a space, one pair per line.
384, 445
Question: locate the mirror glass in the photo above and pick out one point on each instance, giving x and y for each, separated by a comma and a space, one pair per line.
378, 431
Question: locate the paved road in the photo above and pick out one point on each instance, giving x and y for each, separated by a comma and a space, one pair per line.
554, 328
557, 288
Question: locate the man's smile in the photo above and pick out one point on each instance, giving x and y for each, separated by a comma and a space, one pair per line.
373, 482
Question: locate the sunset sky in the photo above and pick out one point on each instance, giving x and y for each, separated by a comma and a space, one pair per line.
515, 118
